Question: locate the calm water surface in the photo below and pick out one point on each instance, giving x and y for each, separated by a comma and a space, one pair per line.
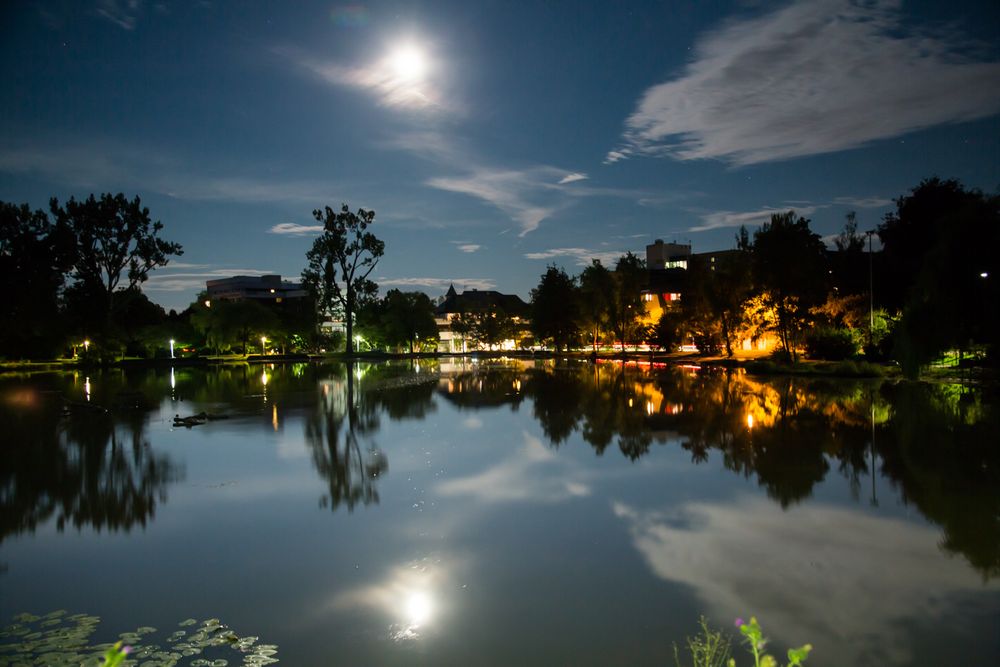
464, 512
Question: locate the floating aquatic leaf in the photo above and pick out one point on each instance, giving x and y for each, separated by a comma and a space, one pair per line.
188, 621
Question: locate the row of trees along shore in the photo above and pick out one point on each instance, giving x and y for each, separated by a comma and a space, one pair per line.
75, 274
932, 289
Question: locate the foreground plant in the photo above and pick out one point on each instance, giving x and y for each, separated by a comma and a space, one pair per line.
114, 656
711, 648
754, 638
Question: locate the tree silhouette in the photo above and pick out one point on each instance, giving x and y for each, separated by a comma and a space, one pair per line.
789, 263
339, 264
596, 295
34, 257
117, 245
554, 312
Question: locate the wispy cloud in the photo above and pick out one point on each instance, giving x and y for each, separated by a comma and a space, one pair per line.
466, 247
123, 13
572, 178
580, 256
528, 194
719, 219
813, 77
111, 165
439, 284
523, 194
392, 81
863, 202
293, 229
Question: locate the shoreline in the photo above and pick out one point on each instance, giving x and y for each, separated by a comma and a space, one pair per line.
754, 365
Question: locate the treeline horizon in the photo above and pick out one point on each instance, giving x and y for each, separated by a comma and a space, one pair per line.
76, 276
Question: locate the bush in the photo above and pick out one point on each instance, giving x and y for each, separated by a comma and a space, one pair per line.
830, 343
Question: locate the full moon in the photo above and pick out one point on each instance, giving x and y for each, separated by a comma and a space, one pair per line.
408, 63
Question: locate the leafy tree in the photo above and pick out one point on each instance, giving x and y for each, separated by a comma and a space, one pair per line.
626, 305
715, 300
596, 296
340, 261
463, 324
34, 257
226, 323
668, 332
117, 245
401, 318
485, 328
789, 263
137, 319
554, 311
914, 229
949, 301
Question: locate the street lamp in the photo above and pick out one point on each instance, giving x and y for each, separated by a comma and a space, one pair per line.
871, 291
263, 340
171, 348
86, 345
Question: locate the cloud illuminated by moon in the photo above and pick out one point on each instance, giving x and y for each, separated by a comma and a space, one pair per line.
406, 77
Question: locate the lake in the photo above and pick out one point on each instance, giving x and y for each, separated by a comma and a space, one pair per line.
498, 512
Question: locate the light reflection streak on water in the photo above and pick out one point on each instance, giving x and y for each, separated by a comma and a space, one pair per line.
86, 387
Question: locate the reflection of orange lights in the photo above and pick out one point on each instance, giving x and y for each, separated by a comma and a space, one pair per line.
24, 398
274, 416
749, 420
649, 407
676, 409
630, 402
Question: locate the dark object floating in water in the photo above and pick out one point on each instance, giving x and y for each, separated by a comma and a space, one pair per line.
197, 420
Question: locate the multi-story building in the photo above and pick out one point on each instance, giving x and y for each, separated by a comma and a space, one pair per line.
481, 302
263, 288
669, 265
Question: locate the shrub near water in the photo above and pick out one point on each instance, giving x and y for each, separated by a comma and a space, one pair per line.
830, 343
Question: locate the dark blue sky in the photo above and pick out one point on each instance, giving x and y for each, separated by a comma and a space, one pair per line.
491, 138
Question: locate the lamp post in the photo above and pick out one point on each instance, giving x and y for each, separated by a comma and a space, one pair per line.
871, 291
171, 348
263, 341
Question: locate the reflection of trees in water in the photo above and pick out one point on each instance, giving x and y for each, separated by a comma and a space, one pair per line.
87, 467
348, 412
940, 450
483, 387
935, 442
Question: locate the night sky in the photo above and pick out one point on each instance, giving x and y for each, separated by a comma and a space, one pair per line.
491, 138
